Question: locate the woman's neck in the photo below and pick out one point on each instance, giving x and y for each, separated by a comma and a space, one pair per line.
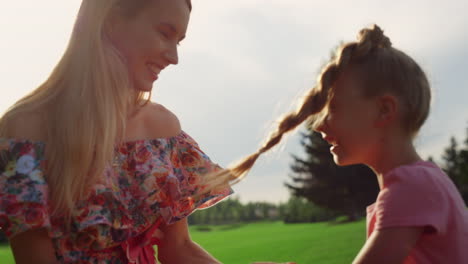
134, 105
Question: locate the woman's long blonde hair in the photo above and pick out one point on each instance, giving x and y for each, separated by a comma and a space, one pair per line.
383, 69
87, 99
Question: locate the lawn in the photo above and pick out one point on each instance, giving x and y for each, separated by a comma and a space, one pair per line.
302, 243
5, 255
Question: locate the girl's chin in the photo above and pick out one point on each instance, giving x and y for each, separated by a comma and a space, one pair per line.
340, 160
337, 158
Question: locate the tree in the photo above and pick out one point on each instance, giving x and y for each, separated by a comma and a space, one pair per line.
451, 159
455, 164
317, 178
299, 210
463, 181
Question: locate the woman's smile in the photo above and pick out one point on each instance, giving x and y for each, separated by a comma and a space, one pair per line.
154, 69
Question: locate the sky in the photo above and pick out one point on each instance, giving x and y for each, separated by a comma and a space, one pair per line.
245, 63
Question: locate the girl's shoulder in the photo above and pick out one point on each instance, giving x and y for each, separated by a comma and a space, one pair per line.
421, 178
421, 167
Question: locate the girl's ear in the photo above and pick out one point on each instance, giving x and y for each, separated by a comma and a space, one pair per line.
387, 110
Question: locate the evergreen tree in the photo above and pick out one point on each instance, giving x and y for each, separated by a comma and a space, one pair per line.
455, 164
317, 178
464, 170
451, 161
431, 159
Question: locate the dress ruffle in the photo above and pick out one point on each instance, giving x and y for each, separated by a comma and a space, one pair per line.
23, 190
150, 181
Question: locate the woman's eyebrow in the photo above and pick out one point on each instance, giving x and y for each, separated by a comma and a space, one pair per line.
171, 28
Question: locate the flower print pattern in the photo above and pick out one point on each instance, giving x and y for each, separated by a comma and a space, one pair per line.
10, 169
150, 181
25, 164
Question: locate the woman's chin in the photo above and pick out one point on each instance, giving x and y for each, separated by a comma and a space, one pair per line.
145, 88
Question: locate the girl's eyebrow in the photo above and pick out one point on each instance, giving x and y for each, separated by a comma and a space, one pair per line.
172, 28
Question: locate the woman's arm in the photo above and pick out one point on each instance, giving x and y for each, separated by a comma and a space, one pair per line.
178, 248
389, 245
33, 246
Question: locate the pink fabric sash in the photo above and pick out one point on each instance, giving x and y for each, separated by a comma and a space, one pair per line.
139, 250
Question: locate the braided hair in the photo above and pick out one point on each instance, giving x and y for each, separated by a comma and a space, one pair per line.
383, 68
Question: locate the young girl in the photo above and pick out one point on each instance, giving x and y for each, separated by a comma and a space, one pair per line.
90, 171
369, 104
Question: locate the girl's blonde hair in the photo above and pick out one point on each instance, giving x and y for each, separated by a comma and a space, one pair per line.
88, 97
383, 68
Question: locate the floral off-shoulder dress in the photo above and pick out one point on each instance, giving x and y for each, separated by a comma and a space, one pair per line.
152, 182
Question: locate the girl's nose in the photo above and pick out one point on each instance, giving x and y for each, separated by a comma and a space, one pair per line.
321, 124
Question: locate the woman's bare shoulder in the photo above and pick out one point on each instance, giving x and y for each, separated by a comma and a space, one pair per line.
160, 121
26, 125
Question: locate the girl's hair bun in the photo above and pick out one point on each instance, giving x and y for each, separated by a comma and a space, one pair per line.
375, 37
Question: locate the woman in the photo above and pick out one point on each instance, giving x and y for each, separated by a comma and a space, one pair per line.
91, 172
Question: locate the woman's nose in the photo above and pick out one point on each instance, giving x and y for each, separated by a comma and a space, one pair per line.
172, 56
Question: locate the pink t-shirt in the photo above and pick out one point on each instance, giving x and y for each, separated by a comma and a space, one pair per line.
421, 194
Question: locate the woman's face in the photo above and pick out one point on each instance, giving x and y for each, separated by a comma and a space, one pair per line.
148, 41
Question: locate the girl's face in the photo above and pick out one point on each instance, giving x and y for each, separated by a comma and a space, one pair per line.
350, 122
148, 41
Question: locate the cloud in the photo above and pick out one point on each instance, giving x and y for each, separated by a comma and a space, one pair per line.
34, 36
246, 62
290, 40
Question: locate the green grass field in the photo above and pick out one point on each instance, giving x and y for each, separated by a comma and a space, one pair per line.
302, 243
5, 255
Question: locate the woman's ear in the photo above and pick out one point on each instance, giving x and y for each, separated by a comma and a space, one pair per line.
387, 106
114, 22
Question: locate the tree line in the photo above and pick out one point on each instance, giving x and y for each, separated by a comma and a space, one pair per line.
232, 211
